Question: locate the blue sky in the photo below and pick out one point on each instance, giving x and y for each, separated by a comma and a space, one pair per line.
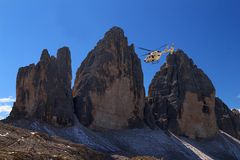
208, 31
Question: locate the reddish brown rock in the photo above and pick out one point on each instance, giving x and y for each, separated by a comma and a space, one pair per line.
182, 99
108, 89
44, 90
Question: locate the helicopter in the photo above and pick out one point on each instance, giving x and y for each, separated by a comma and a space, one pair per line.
155, 55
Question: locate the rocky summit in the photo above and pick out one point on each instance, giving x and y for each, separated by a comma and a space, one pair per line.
44, 90
108, 90
181, 98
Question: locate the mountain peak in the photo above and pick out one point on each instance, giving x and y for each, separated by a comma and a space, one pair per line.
108, 90
179, 91
39, 88
114, 38
45, 55
115, 30
63, 52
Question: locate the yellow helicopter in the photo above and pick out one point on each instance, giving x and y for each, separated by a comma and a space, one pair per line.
155, 55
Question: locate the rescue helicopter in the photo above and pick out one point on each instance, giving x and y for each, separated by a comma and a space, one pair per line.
153, 56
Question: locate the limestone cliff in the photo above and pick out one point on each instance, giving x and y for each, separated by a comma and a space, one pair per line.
181, 98
108, 89
44, 90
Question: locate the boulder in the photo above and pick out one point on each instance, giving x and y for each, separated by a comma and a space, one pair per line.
108, 90
227, 120
44, 90
181, 98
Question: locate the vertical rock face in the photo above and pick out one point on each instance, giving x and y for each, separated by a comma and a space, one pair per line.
182, 98
227, 120
44, 90
108, 89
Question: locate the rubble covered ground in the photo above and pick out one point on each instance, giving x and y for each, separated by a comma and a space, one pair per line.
19, 144
147, 142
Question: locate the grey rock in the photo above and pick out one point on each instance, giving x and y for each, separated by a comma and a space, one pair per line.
44, 90
181, 98
108, 89
227, 120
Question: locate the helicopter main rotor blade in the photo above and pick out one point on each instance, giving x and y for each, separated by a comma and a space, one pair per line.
145, 49
145, 54
162, 46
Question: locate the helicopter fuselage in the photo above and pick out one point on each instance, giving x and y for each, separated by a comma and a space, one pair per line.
153, 56
156, 55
